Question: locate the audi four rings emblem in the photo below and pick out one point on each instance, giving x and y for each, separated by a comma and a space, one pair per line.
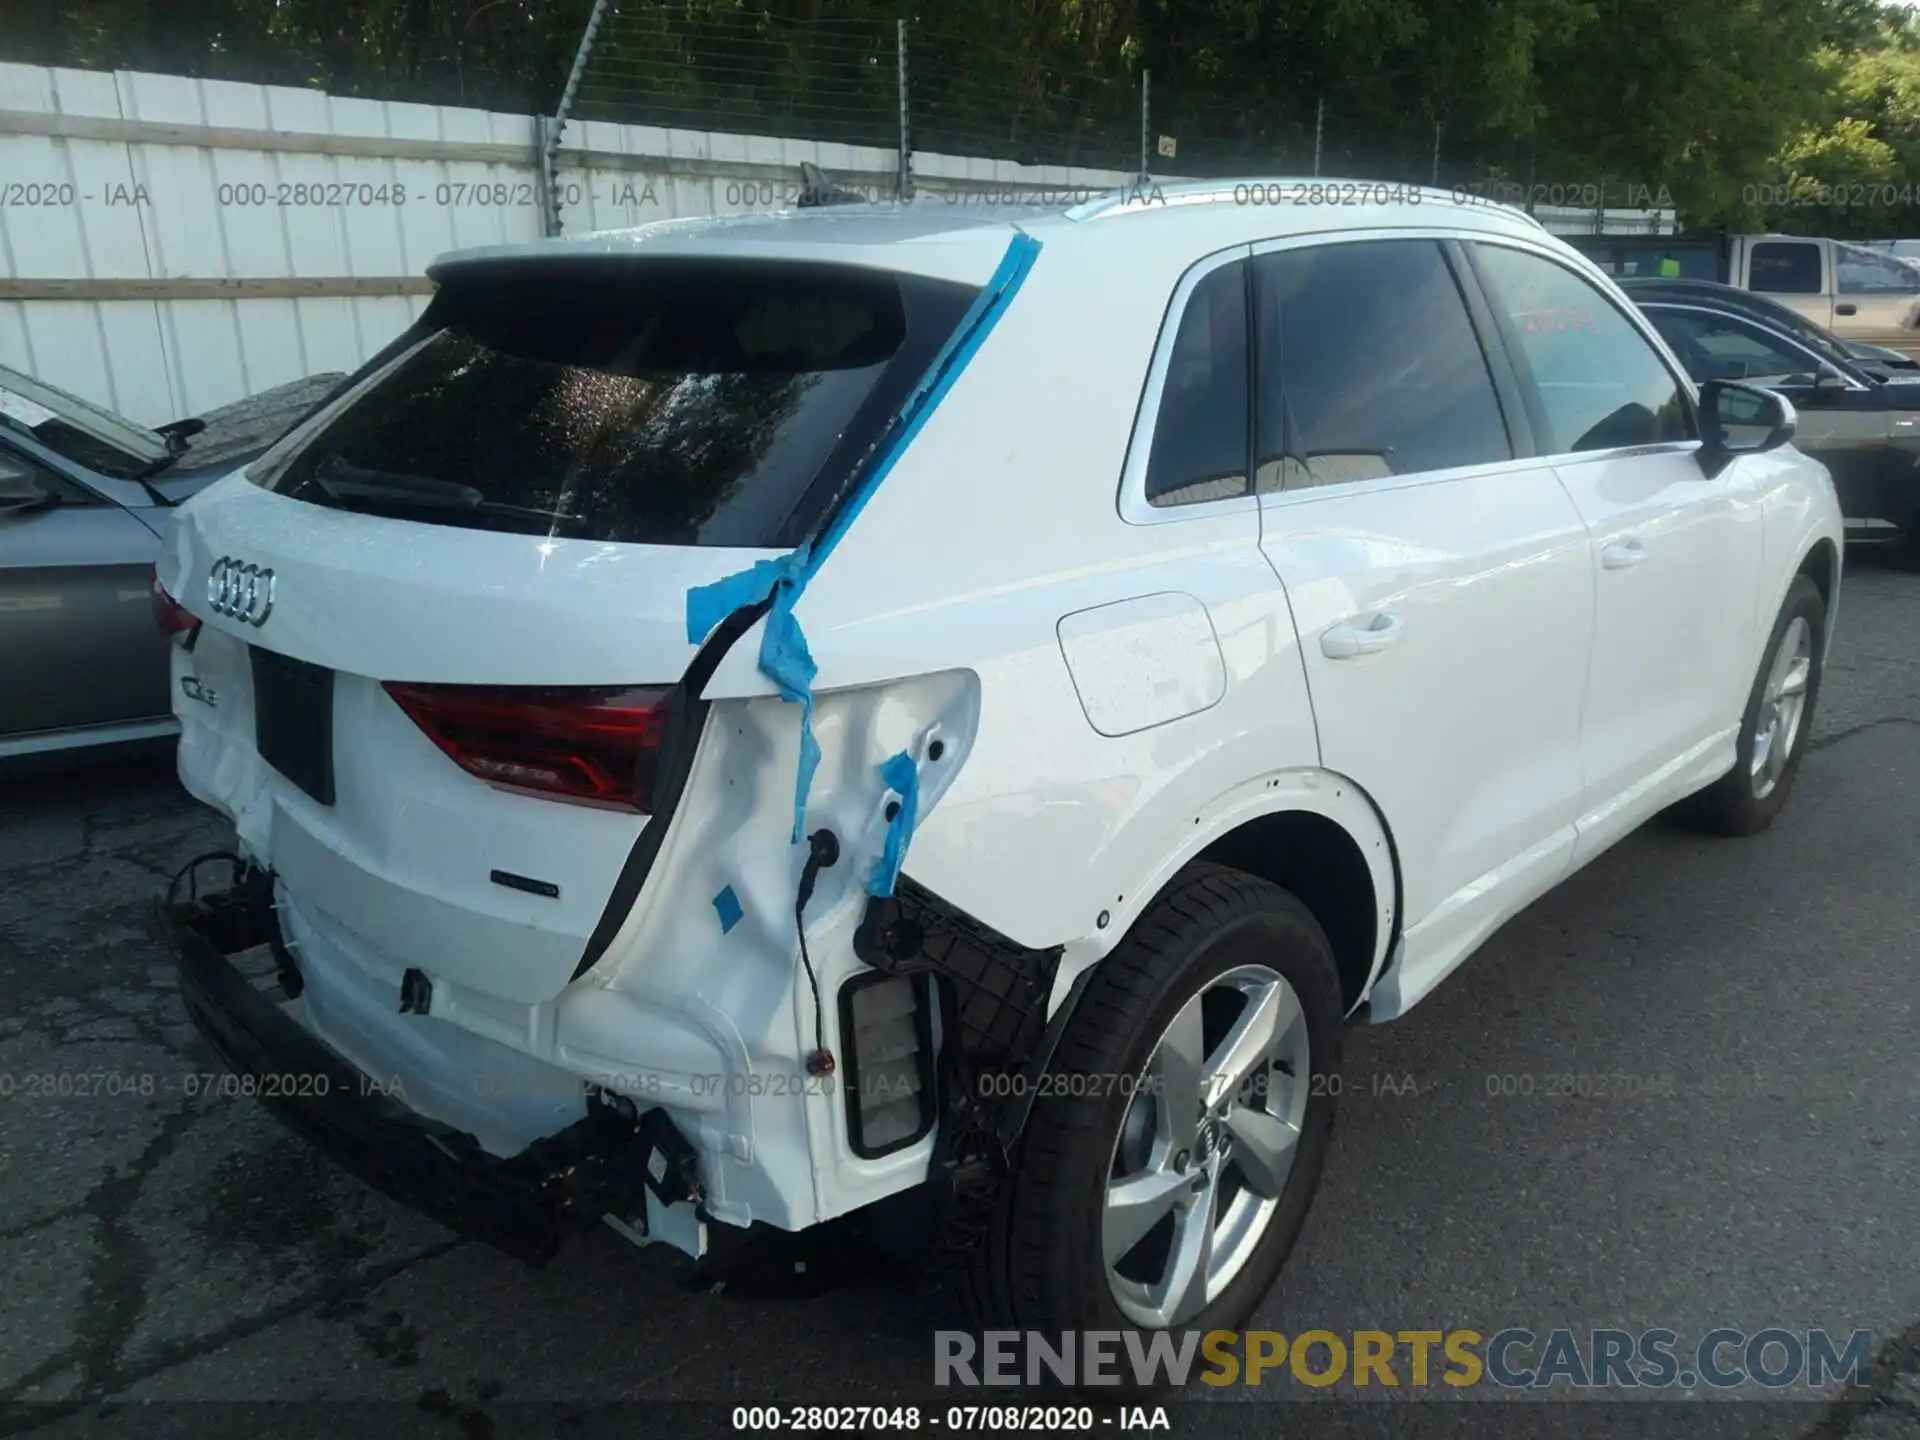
242, 592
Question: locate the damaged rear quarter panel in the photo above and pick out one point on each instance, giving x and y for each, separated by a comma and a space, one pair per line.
744, 985
1001, 519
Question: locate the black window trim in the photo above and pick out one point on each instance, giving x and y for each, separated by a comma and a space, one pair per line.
1510, 347
1507, 388
1134, 506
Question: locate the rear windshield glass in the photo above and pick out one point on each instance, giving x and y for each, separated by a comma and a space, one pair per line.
657, 403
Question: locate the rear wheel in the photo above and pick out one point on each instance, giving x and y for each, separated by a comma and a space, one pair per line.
1162, 1182
1774, 728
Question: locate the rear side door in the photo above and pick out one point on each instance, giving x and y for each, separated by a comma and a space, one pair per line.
1795, 273
76, 624
1676, 554
1876, 297
1439, 579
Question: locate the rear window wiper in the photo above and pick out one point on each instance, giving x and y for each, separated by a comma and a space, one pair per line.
346, 483
341, 480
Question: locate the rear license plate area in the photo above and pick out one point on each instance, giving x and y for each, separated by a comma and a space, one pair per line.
293, 720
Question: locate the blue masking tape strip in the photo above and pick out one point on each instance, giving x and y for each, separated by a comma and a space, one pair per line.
727, 906
708, 605
967, 337
784, 657
902, 776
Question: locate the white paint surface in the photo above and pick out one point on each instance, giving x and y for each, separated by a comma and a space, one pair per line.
1143, 662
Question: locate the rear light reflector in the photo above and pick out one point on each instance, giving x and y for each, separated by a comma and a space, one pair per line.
886, 1034
596, 745
168, 613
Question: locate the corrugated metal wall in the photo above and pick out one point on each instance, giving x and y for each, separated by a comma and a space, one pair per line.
168, 245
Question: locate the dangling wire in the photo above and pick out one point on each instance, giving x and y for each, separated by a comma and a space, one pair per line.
189, 872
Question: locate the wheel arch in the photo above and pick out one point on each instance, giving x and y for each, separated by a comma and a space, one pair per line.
1313, 832
1820, 563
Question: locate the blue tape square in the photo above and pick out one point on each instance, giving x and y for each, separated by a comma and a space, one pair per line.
727, 905
903, 778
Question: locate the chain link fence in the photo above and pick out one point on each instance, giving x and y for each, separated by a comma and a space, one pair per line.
928, 86
700, 67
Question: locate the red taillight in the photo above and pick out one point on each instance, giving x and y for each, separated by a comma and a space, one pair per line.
168, 613
595, 745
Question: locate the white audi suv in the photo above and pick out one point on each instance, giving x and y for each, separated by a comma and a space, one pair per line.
944, 714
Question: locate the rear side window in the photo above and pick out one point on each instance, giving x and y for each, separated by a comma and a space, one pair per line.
1200, 433
1594, 381
1785, 268
1368, 367
645, 402
1864, 272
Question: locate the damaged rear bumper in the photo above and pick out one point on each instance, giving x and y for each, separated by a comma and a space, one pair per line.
606, 1164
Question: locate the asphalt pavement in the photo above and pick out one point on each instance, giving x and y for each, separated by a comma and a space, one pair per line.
1680, 1091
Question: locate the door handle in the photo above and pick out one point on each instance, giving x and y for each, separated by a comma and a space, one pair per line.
1351, 638
1847, 309
1622, 554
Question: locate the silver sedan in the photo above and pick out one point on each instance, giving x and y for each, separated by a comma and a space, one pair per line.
84, 495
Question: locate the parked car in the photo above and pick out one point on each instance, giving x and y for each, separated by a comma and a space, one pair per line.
84, 494
1875, 359
1862, 425
1857, 292
761, 721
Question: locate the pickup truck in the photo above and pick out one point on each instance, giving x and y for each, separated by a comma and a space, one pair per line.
1857, 293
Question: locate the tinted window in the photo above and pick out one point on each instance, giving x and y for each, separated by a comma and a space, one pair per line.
1782, 268
662, 403
1718, 347
1743, 304
1368, 367
1862, 272
70, 441
1595, 381
1200, 434
17, 472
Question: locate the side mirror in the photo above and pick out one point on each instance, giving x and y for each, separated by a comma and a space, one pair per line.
1737, 419
1829, 382
22, 494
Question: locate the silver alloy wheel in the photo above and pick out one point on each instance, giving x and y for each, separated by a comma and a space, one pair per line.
1206, 1146
1783, 704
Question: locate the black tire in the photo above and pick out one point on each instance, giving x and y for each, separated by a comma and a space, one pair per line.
1044, 1265
1729, 806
